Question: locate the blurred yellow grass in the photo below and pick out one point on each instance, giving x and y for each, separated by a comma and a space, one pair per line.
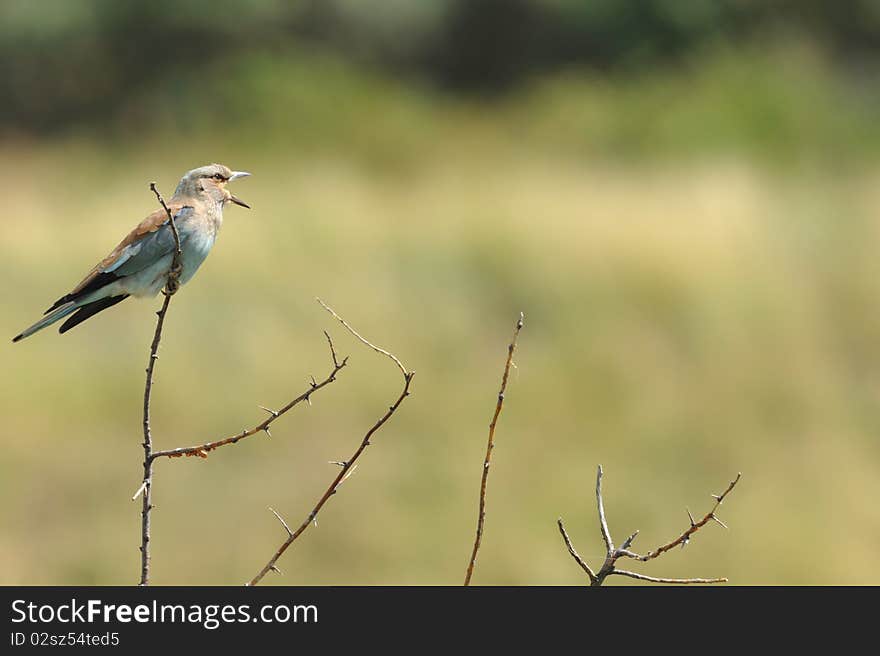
685, 320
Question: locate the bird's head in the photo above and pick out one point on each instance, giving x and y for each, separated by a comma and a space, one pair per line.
210, 181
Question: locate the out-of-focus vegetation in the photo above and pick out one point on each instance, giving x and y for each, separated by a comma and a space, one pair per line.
68, 63
683, 203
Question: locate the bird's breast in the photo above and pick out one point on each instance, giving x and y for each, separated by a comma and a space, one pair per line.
195, 246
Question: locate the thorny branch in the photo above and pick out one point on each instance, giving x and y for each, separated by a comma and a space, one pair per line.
388, 354
612, 554
685, 537
171, 287
346, 467
202, 450
481, 517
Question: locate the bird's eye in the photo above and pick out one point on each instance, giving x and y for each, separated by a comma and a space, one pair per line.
218, 176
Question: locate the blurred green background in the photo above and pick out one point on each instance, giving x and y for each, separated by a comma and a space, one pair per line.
682, 198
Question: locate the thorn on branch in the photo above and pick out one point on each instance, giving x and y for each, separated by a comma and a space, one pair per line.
274, 413
347, 474
281, 519
718, 521
139, 490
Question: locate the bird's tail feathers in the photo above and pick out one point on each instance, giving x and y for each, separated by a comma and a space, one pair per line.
48, 320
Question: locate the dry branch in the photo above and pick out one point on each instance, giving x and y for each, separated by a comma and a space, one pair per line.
346, 467
388, 354
685, 537
202, 450
654, 579
574, 554
481, 517
612, 554
171, 287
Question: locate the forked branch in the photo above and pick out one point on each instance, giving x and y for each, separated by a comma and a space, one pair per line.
202, 450
612, 554
346, 467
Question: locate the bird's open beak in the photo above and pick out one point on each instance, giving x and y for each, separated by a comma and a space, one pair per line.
235, 176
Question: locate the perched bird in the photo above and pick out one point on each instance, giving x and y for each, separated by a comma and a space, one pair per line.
140, 264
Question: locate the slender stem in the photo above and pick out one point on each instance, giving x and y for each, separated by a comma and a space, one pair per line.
202, 450
378, 349
487, 461
147, 485
603, 523
655, 579
695, 526
574, 554
148, 449
346, 467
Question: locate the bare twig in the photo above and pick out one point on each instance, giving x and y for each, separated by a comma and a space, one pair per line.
346, 467
694, 527
170, 288
654, 579
202, 450
171, 285
603, 523
481, 517
388, 354
574, 554
612, 555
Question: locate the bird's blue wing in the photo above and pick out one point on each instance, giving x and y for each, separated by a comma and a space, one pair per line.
149, 249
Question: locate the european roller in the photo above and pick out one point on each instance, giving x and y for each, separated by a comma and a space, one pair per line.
140, 264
